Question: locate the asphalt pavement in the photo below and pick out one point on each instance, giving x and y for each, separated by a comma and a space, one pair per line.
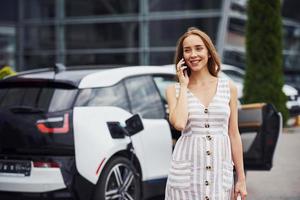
283, 181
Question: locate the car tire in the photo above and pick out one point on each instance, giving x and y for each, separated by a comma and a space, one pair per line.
118, 180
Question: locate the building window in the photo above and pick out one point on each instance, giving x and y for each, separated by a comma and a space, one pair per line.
117, 59
38, 38
110, 35
171, 5
39, 9
100, 7
162, 58
167, 32
38, 61
118, 32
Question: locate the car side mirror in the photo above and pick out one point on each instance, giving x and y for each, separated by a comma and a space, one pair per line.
134, 125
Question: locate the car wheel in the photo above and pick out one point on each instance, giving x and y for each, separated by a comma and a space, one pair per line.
118, 180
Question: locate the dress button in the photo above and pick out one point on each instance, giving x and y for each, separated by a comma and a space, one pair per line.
206, 125
206, 183
205, 110
208, 153
206, 198
208, 137
208, 167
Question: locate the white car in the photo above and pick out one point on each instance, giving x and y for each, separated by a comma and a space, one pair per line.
237, 75
74, 133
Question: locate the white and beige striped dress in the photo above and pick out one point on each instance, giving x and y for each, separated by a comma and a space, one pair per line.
201, 166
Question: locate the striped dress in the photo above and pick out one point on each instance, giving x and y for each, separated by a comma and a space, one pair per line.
201, 166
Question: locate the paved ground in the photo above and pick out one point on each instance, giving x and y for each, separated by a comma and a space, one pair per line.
283, 181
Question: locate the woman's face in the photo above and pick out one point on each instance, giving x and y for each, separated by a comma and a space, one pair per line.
195, 52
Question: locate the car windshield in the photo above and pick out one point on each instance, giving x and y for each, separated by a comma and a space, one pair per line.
36, 99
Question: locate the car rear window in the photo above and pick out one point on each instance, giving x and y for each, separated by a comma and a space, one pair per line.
45, 98
104, 96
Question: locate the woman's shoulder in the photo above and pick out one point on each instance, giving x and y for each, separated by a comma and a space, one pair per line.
172, 87
232, 85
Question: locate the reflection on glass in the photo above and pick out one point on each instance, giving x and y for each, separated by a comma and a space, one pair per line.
162, 58
234, 75
38, 61
93, 36
118, 59
171, 5
144, 97
107, 96
167, 32
100, 7
293, 79
162, 82
235, 58
239, 5
8, 45
237, 26
58, 103
291, 38
292, 61
39, 38
290, 10
47, 99
39, 9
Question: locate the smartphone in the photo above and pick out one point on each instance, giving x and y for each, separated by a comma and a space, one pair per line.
187, 69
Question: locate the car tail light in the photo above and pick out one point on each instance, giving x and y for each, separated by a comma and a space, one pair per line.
54, 124
46, 164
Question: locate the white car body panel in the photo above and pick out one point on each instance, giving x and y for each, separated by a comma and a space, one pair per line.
112, 76
40, 180
92, 139
90, 149
156, 141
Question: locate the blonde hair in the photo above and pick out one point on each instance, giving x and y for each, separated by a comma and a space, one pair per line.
213, 63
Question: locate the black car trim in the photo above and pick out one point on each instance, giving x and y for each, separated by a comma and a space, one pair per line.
30, 82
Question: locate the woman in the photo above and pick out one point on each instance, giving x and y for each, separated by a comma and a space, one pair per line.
204, 107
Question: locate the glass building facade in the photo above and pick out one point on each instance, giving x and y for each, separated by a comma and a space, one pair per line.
8, 35
40, 33
99, 32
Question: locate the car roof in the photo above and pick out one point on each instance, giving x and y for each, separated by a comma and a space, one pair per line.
112, 76
89, 77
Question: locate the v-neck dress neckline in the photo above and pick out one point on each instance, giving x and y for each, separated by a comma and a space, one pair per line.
212, 99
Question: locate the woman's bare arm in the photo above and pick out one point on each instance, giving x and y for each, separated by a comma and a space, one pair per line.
236, 143
178, 112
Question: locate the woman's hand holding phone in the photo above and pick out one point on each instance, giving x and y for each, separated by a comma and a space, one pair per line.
181, 72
